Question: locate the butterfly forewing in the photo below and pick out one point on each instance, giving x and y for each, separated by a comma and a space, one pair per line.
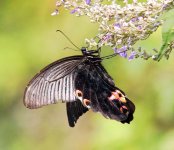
54, 83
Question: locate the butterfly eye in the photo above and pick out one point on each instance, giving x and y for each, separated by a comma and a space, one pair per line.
87, 103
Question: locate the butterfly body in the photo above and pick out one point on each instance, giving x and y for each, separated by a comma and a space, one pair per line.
83, 83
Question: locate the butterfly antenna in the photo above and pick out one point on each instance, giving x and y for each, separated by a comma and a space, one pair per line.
109, 56
70, 48
67, 38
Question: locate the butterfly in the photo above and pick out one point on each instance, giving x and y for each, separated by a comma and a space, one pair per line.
82, 83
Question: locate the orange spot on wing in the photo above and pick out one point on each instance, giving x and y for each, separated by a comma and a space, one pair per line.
78, 93
118, 96
122, 99
112, 97
123, 109
86, 103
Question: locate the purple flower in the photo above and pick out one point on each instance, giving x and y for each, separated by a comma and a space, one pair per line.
156, 24
122, 51
134, 19
139, 27
88, 2
117, 25
132, 55
106, 37
74, 10
123, 54
165, 6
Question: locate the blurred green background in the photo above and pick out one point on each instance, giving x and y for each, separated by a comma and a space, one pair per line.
29, 42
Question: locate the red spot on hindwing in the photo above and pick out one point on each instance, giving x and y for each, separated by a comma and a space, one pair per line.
124, 109
117, 95
86, 103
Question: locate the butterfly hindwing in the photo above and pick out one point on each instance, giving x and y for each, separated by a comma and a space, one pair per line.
83, 93
74, 110
96, 87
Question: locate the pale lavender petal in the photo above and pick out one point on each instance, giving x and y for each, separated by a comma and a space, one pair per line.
106, 37
115, 50
117, 25
132, 55
88, 2
165, 6
123, 54
124, 48
74, 11
139, 27
134, 19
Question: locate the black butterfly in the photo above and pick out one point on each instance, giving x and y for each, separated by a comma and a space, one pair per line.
83, 83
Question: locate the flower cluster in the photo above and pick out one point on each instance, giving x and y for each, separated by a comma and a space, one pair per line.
120, 27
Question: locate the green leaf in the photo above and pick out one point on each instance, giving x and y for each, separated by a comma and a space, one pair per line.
167, 34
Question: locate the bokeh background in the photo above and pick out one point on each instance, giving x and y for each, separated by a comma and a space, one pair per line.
29, 42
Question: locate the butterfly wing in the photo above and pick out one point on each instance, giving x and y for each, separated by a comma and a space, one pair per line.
74, 110
99, 90
54, 83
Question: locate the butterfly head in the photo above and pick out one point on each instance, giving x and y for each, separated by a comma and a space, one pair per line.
123, 107
87, 52
92, 55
